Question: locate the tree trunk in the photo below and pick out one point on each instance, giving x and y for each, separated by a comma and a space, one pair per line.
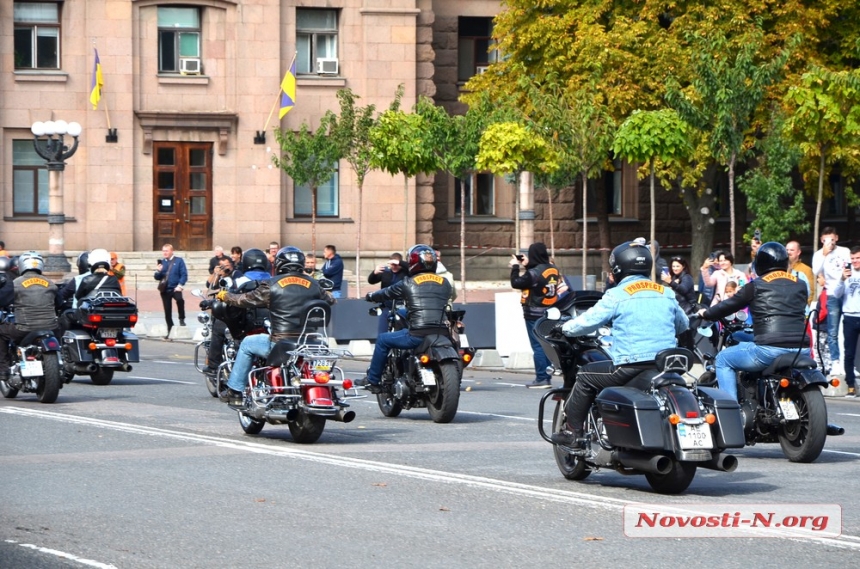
584, 227
551, 228
700, 208
605, 239
314, 219
653, 225
732, 227
820, 199
358, 245
405, 213
463, 241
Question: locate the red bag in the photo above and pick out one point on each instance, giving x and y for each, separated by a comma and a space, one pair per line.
822, 307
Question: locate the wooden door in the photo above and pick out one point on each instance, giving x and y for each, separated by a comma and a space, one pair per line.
182, 195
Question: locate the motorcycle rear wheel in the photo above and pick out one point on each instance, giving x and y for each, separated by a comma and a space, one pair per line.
571, 466
102, 376
675, 481
307, 429
803, 440
443, 401
249, 425
49, 387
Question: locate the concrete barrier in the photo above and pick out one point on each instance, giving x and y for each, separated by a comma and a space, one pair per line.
520, 360
487, 358
180, 333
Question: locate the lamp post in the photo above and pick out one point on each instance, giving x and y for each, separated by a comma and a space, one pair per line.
48, 138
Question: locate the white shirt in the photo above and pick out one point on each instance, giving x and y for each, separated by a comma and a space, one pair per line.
831, 265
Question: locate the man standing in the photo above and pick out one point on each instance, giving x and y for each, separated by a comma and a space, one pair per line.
213, 262
830, 261
333, 269
848, 291
172, 276
798, 266
311, 267
386, 275
117, 269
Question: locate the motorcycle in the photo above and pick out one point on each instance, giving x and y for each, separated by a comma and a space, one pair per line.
100, 341
655, 425
427, 376
782, 403
35, 364
298, 383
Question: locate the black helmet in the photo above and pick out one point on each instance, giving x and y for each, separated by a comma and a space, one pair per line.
255, 260
630, 258
289, 259
770, 257
422, 259
5, 264
83, 263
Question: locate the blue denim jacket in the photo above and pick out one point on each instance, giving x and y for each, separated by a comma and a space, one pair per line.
644, 316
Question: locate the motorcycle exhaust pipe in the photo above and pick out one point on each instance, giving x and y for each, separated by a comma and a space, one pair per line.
126, 367
92, 368
344, 416
721, 462
657, 464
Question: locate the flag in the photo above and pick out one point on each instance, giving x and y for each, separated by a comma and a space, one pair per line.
98, 82
288, 91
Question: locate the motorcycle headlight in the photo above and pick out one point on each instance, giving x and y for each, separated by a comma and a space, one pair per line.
203, 317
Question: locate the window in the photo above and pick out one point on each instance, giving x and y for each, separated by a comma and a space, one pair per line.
610, 184
481, 201
475, 47
327, 199
29, 180
37, 35
178, 37
316, 38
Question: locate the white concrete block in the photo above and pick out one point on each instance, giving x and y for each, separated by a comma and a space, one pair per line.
487, 358
140, 330
511, 334
157, 331
180, 333
361, 348
198, 334
520, 360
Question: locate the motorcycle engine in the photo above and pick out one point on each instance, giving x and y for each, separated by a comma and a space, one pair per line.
402, 390
748, 409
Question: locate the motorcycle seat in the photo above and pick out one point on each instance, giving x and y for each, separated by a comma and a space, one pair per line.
785, 361
280, 353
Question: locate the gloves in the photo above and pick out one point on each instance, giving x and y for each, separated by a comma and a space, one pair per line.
557, 329
205, 305
368, 297
222, 295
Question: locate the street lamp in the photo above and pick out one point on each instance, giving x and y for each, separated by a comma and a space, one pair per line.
48, 138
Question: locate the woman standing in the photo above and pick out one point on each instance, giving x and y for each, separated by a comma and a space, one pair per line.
727, 272
679, 280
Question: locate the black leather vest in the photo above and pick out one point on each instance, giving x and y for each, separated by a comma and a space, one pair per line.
426, 296
288, 294
35, 303
778, 310
549, 285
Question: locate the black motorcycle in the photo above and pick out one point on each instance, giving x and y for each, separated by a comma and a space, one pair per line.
35, 364
655, 425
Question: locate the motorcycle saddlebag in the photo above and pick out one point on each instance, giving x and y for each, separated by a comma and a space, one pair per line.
631, 417
729, 428
77, 342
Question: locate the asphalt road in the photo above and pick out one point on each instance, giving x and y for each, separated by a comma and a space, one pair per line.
151, 471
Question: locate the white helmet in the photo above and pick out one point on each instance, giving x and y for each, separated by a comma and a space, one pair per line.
99, 258
30, 261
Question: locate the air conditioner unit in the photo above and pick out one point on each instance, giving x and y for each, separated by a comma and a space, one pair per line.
481, 69
327, 66
189, 65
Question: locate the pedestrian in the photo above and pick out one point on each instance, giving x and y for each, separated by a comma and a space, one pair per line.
311, 267
117, 269
273, 251
848, 291
386, 274
755, 243
727, 272
333, 269
542, 285
171, 275
214, 261
236, 255
800, 268
830, 261
3, 252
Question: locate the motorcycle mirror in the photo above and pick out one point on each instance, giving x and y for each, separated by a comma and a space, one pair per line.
197, 292
705, 331
553, 313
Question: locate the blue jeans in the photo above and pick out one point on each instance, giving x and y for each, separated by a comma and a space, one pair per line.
541, 361
851, 329
746, 356
382, 322
384, 342
256, 345
834, 314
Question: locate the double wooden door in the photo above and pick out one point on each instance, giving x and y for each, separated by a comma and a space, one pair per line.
182, 195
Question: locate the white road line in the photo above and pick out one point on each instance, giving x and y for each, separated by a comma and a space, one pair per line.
529, 419
479, 482
848, 414
165, 380
842, 452
171, 363
64, 555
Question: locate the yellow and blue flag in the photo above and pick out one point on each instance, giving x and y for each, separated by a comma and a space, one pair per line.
288, 91
97, 83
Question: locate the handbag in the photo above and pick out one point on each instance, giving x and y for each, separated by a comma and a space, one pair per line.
162, 284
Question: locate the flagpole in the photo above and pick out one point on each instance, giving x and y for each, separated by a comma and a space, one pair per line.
278, 98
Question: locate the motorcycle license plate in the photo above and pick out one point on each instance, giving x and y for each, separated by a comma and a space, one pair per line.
108, 332
695, 436
321, 365
31, 368
789, 410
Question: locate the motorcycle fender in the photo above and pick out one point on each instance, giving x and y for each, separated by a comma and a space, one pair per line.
49, 344
318, 396
729, 427
803, 378
442, 353
632, 418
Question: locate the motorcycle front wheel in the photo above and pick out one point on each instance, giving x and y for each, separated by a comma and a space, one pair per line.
443, 401
571, 466
803, 440
307, 429
675, 481
102, 376
249, 425
388, 404
49, 387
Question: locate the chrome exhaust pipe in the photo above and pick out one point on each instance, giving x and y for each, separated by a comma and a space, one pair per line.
344, 416
657, 464
721, 462
126, 367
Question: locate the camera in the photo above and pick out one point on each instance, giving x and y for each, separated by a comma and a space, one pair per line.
520, 258
712, 257
847, 265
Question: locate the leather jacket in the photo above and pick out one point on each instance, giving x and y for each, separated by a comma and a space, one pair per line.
542, 286
89, 284
777, 303
426, 296
285, 295
35, 303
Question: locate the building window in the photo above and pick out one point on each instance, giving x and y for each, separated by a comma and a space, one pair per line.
316, 38
37, 35
610, 182
475, 47
178, 38
29, 180
327, 199
480, 194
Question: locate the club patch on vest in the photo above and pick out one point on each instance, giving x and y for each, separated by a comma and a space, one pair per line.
428, 277
286, 281
778, 275
643, 285
35, 281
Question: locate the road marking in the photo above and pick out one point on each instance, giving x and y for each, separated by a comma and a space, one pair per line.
479, 482
530, 419
842, 452
848, 414
64, 555
172, 363
165, 380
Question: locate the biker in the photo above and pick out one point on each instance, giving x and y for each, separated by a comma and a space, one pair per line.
71, 286
35, 306
7, 287
99, 277
426, 295
285, 295
645, 319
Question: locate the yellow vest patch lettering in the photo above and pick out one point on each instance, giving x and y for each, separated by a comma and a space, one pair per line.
428, 277
778, 275
35, 281
643, 285
286, 281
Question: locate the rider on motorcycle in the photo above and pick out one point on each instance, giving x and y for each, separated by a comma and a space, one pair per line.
71, 287
285, 295
99, 277
426, 295
645, 319
777, 301
35, 306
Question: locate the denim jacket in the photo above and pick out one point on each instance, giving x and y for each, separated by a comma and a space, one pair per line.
645, 318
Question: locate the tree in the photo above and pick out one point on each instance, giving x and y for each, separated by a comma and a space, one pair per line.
310, 159
647, 136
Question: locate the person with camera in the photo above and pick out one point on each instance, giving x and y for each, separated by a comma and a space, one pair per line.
848, 291
387, 274
171, 274
831, 261
725, 273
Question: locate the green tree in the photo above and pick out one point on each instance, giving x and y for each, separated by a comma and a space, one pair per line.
310, 159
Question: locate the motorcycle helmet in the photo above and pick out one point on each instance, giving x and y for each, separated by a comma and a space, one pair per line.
30, 261
83, 262
13, 265
630, 258
5, 264
422, 259
289, 259
770, 257
255, 260
99, 258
